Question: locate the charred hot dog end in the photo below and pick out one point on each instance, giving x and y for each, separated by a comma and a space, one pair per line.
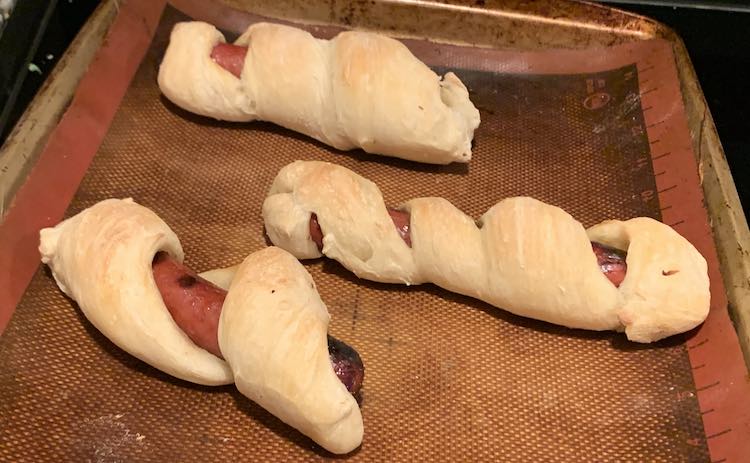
347, 364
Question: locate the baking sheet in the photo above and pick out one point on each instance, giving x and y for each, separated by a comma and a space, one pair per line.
447, 377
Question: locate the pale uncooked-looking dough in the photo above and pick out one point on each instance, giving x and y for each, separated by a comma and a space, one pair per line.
102, 258
530, 258
272, 329
357, 90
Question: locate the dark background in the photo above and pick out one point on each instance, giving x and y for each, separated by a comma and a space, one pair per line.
716, 33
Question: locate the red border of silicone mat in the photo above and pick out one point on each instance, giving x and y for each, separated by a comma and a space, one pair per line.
45, 195
719, 371
718, 367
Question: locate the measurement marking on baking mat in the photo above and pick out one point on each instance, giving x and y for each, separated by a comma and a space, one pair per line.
655, 123
659, 156
708, 386
664, 190
697, 344
721, 433
647, 68
718, 370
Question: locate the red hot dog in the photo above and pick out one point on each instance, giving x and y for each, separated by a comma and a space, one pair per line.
194, 303
230, 57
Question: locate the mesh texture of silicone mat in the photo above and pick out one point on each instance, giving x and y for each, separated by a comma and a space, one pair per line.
448, 378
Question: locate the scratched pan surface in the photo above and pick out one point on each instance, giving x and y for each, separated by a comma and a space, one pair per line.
447, 378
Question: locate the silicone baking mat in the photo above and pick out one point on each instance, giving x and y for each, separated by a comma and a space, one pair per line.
447, 377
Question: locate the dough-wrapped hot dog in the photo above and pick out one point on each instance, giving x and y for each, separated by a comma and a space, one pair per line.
357, 90
525, 256
272, 328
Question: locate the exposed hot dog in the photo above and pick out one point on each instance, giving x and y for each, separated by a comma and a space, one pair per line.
611, 261
347, 364
195, 305
230, 57
401, 221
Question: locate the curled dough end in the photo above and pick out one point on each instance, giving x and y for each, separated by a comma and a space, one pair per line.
102, 258
666, 288
272, 332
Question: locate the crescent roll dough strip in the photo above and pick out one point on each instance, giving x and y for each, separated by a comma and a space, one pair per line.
101, 258
273, 333
272, 329
525, 256
358, 90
